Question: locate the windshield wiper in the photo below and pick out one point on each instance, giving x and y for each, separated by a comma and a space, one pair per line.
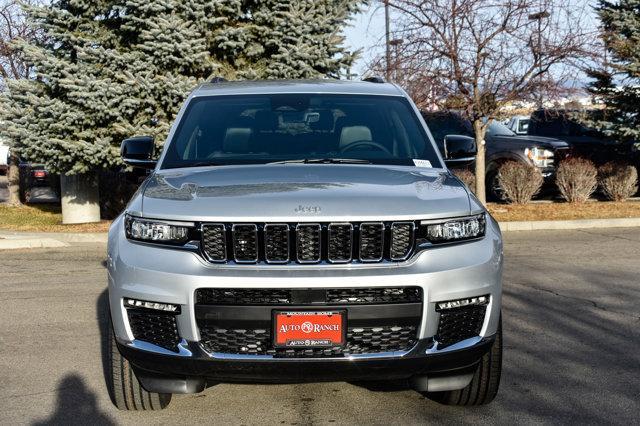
324, 161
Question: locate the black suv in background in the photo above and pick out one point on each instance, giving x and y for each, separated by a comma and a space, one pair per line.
585, 142
501, 145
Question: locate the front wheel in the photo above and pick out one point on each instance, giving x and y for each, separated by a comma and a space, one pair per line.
485, 383
126, 391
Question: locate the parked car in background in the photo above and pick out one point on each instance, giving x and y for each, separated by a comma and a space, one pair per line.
4, 158
501, 145
33, 175
585, 142
519, 124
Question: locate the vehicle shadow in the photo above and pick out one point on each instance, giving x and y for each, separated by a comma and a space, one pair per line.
76, 404
103, 318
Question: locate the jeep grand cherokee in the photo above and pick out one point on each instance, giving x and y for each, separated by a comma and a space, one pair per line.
296, 231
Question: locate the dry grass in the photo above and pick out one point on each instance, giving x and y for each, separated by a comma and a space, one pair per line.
564, 211
43, 218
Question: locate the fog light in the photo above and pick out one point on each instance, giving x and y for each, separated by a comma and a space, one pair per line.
452, 304
167, 307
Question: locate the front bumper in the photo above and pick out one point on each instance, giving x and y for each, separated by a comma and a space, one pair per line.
188, 374
165, 275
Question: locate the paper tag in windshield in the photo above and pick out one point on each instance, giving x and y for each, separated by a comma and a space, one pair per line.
422, 163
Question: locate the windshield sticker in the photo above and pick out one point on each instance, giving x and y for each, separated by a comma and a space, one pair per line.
422, 163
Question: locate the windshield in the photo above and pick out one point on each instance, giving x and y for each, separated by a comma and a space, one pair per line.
221, 130
498, 129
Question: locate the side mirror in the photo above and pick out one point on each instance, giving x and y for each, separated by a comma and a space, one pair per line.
138, 152
459, 150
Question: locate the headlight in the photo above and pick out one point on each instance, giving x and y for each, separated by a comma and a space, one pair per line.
540, 157
457, 229
157, 230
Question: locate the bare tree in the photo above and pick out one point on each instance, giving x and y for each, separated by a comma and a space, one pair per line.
14, 26
487, 53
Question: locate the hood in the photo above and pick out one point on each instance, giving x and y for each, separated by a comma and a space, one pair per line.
303, 192
539, 141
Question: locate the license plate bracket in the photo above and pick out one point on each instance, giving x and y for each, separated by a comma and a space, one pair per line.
309, 328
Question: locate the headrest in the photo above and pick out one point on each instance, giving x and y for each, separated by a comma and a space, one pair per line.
350, 134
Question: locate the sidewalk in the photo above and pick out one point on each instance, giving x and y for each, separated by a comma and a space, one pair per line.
23, 240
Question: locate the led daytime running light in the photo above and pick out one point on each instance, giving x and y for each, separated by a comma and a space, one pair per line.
167, 307
452, 304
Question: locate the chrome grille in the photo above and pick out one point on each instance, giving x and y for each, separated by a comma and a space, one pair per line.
401, 240
245, 243
340, 242
276, 243
308, 245
282, 243
214, 243
371, 241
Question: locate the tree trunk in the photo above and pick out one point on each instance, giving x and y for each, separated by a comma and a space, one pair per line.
79, 198
13, 178
479, 130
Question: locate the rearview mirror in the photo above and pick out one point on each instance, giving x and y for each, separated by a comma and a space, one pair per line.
459, 150
138, 152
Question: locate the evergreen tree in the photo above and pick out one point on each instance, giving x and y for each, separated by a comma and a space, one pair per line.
618, 85
108, 69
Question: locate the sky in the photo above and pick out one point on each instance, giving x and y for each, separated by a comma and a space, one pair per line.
366, 32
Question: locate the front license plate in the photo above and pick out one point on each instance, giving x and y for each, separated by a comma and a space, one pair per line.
309, 329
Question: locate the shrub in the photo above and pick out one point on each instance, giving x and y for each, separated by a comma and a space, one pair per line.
576, 179
116, 189
467, 177
618, 181
519, 181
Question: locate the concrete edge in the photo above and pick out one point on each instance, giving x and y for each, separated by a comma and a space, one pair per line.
29, 243
569, 224
15, 239
67, 237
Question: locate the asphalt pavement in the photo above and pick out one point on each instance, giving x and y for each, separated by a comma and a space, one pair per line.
571, 320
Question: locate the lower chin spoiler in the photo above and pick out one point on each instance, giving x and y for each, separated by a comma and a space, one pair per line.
189, 385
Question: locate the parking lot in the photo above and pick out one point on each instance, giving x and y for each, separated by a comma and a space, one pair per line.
571, 323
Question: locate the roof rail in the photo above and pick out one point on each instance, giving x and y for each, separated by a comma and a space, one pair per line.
374, 79
218, 79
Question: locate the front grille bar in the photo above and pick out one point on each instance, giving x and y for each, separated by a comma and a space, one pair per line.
308, 243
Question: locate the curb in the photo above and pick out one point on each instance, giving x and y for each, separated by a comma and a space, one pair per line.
24, 240
13, 240
29, 243
550, 225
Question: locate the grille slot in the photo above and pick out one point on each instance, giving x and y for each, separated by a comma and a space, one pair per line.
308, 243
360, 340
157, 328
457, 324
276, 243
371, 241
245, 243
340, 242
334, 296
401, 240
214, 242
373, 295
243, 296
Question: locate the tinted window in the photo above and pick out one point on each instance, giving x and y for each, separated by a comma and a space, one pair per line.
498, 129
443, 124
268, 128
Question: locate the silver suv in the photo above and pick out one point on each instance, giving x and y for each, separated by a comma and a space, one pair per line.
298, 231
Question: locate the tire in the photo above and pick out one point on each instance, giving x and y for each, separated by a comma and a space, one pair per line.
124, 388
485, 383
